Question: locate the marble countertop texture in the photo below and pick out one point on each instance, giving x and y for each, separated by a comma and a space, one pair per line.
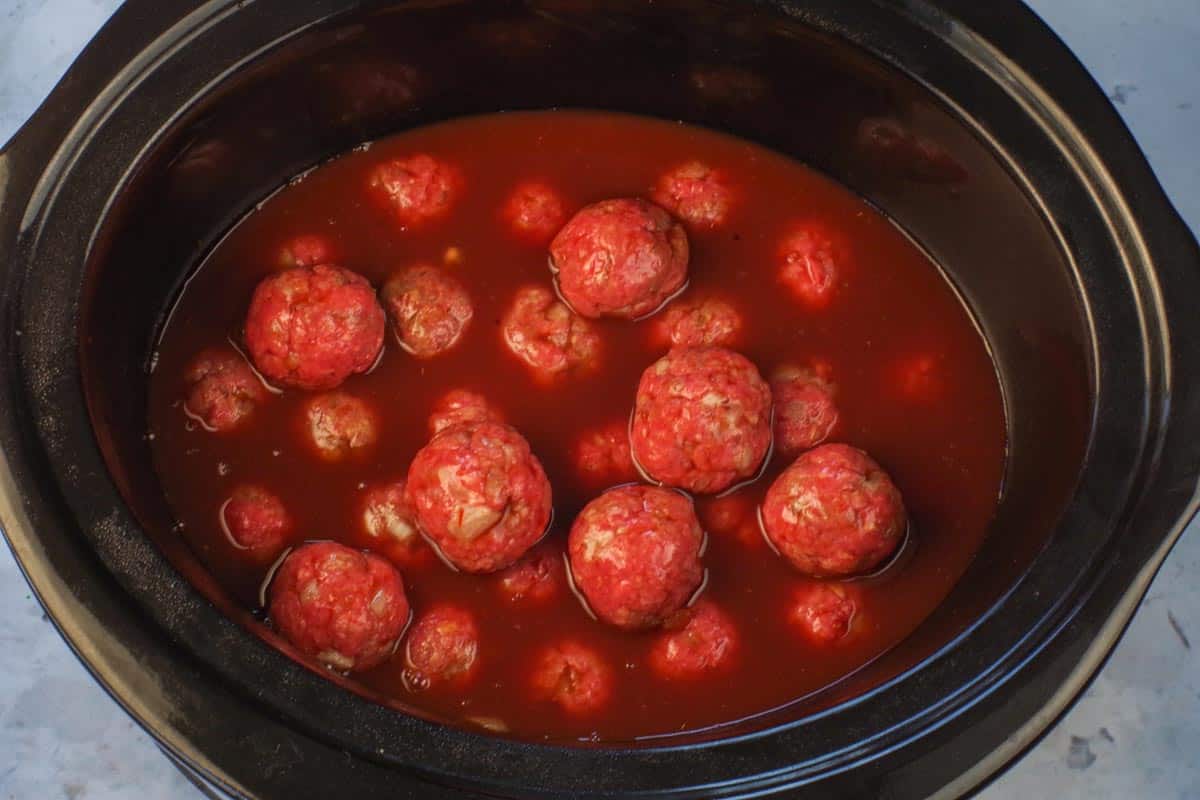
1134, 734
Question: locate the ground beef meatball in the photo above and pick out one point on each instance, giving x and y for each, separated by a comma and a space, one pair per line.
702, 419
697, 323
620, 258
823, 612
534, 579
387, 517
701, 641
534, 212
416, 189
811, 264
307, 250
805, 412
442, 647
573, 676
313, 327
339, 425
345, 608
834, 511
430, 310
542, 332
256, 520
480, 495
635, 555
727, 513
223, 391
459, 406
695, 193
602, 457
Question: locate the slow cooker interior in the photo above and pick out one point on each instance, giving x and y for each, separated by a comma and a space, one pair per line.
734, 67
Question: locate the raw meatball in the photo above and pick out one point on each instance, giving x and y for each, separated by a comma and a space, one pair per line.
635, 555
313, 327
620, 258
388, 518
823, 612
256, 520
534, 212
417, 189
306, 251
480, 495
811, 264
224, 391
726, 514
697, 323
535, 578
542, 332
339, 425
459, 406
702, 419
602, 455
442, 646
342, 607
805, 413
429, 309
834, 511
696, 193
704, 642
573, 676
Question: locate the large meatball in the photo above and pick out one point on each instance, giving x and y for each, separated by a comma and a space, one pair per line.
823, 612
834, 511
620, 258
416, 189
480, 495
697, 323
342, 607
442, 647
388, 518
805, 412
702, 642
696, 193
635, 555
306, 250
313, 327
535, 578
430, 310
224, 391
602, 455
534, 212
702, 419
573, 676
256, 520
811, 263
542, 332
459, 406
339, 425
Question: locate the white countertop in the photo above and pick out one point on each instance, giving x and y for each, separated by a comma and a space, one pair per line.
1134, 734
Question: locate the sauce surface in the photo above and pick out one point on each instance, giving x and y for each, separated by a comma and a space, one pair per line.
915, 388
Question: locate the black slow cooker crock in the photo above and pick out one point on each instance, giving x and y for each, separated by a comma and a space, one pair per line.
181, 115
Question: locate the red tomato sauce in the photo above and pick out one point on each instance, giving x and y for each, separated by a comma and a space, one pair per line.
891, 311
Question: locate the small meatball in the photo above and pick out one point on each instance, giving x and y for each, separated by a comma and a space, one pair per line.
442, 647
823, 612
306, 251
725, 514
602, 455
345, 608
224, 391
387, 517
703, 641
697, 323
701, 420
534, 212
811, 265
535, 578
480, 495
339, 425
805, 413
542, 332
635, 555
256, 520
417, 189
313, 327
620, 258
696, 193
573, 676
430, 310
458, 407
834, 511
917, 378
